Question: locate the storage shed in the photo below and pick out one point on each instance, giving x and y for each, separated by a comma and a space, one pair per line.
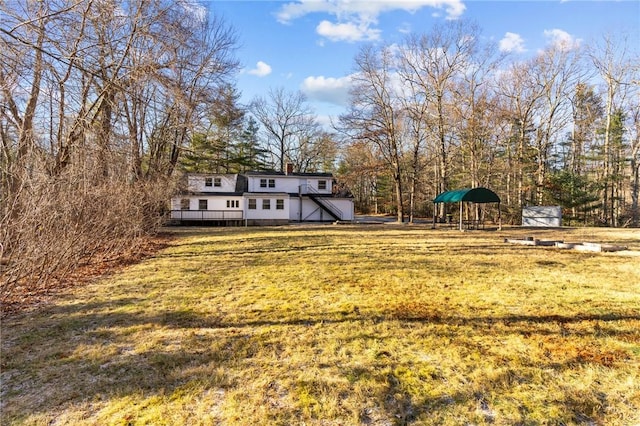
473, 195
542, 216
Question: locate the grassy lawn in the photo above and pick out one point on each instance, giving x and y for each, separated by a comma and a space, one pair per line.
339, 325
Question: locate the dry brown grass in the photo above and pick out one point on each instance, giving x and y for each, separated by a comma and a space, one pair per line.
333, 325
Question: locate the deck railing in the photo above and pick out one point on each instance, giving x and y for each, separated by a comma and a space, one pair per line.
202, 215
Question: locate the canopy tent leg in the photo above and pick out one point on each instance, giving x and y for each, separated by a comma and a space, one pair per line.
461, 215
434, 216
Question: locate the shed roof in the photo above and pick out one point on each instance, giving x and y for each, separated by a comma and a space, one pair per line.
475, 195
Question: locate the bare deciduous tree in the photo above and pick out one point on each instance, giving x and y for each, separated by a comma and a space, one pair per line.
558, 71
288, 123
614, 64
522, 98
375, 112
97, 99
436, 60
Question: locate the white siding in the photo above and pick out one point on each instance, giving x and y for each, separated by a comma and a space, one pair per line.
313, 185
175, 203
313, 213
227, 183
272, 213
346, 207
215, 205
216, 202
310, 211
290, 184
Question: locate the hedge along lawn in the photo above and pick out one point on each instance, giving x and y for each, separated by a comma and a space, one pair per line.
348, 325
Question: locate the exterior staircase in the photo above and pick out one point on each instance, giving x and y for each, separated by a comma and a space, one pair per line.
324, 203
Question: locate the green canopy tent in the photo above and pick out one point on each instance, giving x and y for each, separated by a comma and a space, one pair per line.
474, 195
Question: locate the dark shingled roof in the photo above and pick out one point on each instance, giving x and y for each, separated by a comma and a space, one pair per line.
274, 173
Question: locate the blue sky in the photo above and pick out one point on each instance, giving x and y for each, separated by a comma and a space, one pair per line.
310, 45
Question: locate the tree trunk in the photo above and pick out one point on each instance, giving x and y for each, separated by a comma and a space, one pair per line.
635, 189
399, 205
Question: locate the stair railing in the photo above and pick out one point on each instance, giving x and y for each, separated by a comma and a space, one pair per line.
325, 202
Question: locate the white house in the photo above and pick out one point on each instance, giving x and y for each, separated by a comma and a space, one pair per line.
260, 198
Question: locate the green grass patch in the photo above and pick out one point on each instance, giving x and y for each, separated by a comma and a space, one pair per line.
339, 325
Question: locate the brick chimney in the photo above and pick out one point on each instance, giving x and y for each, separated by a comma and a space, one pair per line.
289, 168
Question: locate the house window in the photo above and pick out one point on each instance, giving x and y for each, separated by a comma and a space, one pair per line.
202, 205
322, 184
279, 204
264, 183
233, 204
266, 204
184, 204
217, 182
208, 181
252, 204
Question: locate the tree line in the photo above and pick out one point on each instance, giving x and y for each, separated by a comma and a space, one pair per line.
446, 109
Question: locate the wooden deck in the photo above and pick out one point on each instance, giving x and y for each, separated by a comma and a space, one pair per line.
215, 217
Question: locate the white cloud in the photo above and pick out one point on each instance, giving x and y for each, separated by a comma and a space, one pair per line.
347, 32
562, 40
195, 9
512, 42
370, 8
262, 69
326, 121
356, 20
327, 89
405, 28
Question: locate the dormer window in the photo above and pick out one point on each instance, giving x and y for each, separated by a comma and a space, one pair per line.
208, 181
271, 183
322, 184
217, 182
